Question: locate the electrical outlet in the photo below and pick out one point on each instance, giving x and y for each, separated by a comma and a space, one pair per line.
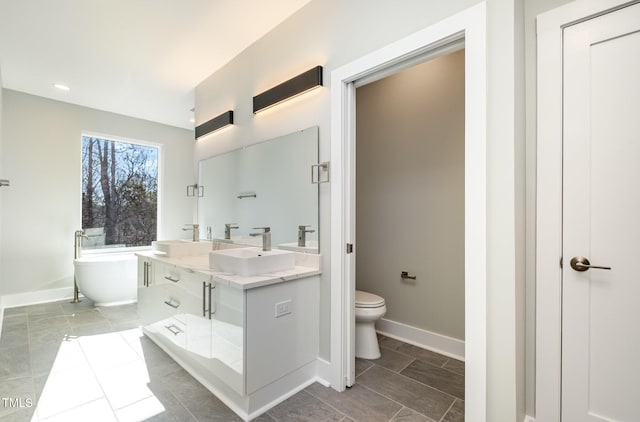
283, 308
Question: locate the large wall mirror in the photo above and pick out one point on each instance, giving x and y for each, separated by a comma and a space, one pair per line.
265, 184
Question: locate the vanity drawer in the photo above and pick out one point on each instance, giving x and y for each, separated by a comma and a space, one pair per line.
192, 282
187, 293
173, 300
169, 274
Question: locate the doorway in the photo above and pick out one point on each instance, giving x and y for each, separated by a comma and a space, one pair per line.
466, 28
410, 201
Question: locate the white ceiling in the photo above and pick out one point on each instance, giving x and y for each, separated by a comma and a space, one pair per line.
141, 58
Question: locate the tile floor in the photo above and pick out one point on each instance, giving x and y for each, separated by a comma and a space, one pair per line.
74, 362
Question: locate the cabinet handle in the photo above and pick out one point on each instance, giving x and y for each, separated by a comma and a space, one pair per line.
168, 277
204, 299
145, 274
170, 303
173, 327
210, 303
210, 309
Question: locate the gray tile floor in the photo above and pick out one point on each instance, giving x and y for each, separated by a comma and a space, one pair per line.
74, 362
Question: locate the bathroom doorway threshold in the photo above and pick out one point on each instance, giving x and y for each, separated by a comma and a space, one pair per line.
463, 30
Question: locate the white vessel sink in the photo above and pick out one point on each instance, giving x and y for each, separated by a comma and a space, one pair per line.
179, 248
251, 261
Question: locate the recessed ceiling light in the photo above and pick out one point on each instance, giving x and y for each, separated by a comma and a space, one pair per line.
192, 120
62, 87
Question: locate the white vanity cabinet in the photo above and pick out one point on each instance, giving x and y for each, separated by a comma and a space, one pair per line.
167, 300
250, 340
149, 291
179, 309
282, 330
145, 270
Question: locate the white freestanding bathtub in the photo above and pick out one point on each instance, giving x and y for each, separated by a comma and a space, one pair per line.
107, 279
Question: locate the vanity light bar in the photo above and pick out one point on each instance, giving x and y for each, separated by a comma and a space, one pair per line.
297, 85
214, 124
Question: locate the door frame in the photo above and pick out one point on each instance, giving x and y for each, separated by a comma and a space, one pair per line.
550, 27
468, 26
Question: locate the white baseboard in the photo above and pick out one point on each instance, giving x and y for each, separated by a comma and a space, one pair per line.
32, 298
439, 343
323, 372
528, 418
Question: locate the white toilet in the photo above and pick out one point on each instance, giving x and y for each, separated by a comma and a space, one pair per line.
369, 309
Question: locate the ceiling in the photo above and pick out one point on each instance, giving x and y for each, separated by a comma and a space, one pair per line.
141, 58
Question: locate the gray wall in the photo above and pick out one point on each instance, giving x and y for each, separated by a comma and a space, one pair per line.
410, 194
42, 208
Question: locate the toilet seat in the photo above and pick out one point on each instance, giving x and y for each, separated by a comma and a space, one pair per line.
368, 300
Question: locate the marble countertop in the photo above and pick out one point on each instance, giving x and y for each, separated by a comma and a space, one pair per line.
306, 265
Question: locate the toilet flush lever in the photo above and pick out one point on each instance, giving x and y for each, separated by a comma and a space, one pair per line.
405, 274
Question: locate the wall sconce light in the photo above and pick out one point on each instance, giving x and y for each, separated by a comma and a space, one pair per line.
214, 124
295, 86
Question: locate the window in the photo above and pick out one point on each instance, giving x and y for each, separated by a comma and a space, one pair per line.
119, 193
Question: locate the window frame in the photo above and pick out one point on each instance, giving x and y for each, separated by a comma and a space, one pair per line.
160, 182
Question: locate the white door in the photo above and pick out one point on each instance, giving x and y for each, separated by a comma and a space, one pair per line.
601, 218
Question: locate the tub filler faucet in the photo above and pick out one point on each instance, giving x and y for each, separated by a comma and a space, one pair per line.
196, 231
266, 237
77, 248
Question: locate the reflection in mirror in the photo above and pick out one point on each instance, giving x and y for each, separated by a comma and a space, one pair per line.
263, 185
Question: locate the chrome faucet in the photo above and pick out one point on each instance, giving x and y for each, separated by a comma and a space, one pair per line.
266, 237
196, 231
302, 235
227, 229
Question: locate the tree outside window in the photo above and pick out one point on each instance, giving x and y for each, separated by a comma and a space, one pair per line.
119, 193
